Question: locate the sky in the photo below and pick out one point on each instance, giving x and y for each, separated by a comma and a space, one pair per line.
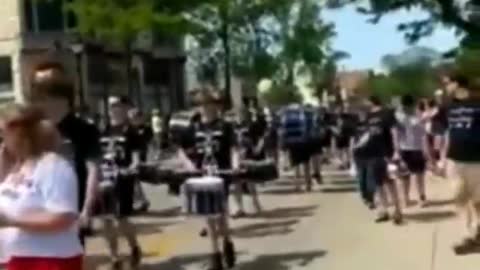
367, 43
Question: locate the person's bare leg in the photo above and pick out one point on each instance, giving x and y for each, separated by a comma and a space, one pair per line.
228, 246
214, 234
405, 183
127, 229
308, 175
316, 164
255, 197
392, 188
382, 198
238, 195
420, 181
110, 234
297, 179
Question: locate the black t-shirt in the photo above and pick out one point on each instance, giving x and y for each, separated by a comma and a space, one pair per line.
257, 126
380, 142
81, 143
224, 138
144, 135
121, 141
464, 130
440, 121
345, 125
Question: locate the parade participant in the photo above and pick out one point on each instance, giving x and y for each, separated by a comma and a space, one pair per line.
127, 155
54, 92
294, 128
144, 135
225, 156
462, 157
38, 196
343, 131
411, 146
156, 124
252, 135
437, 115
316, 133
374, 149
366, 185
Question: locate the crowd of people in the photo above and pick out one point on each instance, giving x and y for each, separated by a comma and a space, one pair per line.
58, 169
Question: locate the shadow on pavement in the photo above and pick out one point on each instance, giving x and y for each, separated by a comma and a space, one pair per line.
163, 213
100, 261
343, 189
343, 182
179, 263
289, 212
151, 227
439, 203
264, 229
285, 191
429, 216
283, 261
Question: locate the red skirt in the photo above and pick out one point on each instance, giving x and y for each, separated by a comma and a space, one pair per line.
32, 263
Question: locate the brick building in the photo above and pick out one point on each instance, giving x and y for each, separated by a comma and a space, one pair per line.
30, 29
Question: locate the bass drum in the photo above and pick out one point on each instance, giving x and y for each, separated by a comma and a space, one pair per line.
181, 127
260, 170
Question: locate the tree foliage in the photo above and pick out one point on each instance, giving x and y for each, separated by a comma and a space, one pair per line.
462, 15
410, 72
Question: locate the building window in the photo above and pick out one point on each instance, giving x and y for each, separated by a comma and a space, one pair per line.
6, 80
41, 16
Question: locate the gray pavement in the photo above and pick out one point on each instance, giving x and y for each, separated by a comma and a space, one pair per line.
327, 229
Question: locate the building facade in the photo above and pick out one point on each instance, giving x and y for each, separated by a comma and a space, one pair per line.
34, 30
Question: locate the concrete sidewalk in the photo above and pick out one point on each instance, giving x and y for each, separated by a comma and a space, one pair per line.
327, 229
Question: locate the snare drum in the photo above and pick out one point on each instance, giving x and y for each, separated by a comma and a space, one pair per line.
204, 196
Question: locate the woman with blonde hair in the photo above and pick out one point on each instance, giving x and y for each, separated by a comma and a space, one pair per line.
38, 195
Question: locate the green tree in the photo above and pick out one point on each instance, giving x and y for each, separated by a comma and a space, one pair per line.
468, 62
233, 36
462, 15
116, 22
410, 72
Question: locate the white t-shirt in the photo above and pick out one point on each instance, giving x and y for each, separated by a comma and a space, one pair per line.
52, 185
411, 131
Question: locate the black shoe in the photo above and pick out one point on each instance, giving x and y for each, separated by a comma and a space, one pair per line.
144, 207
136, 257
229, 250
239, 214
464, 247
382, 217
371, 205
204, 233
216, 263
318, 178
116, 264
397, 218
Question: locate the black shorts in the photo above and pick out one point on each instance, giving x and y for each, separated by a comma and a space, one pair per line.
117, 201
124, 191
415, 161
300, 153
342, 142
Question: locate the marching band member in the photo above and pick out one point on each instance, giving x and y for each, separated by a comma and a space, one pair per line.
54, 92
144, 135
38, 196
210, 122
252, 133
127, 157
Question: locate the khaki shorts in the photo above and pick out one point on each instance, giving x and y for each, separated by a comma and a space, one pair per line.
465, 178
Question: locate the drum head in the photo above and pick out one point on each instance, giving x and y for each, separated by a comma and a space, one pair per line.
205, 180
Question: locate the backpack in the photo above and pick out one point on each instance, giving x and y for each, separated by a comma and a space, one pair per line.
293, 126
